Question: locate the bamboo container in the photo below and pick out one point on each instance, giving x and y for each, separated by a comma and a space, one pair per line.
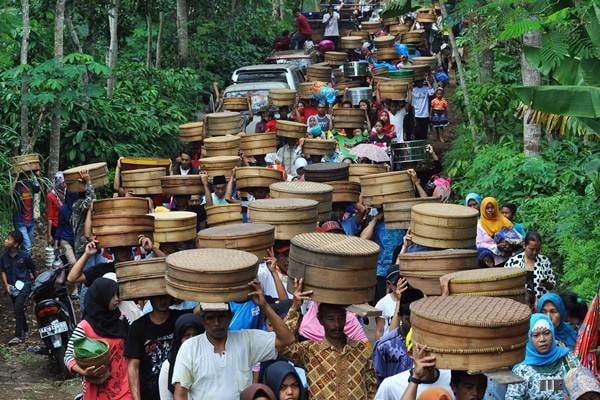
289, 216
398, 29
210, 275
25, 163
220, 165
348, 118
235, 104
174, 226
122, 231
282, 97
305, 90
318, 147
397, 213
290, 129
372, 27
318, 72
380, 71
257, 177
120, 206
355, 171
323, 172
143, 181
228, 145
174, 185
489, 282
471, 333
423, 269
346, 84
387, 53
414, 37
258, 143
141, 279
96, 362
393, 89
223, 123
351, 42
421, 71
131, 163
336, 57
364, 35
339, 269
444, 226
345, 192
223, 215
384, 41
191, 132
390, 21
431, 61
98, 175
320, 192
426, 15
380, 188
253, 238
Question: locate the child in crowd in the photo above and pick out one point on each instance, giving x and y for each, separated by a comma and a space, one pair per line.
439, 116
313, 129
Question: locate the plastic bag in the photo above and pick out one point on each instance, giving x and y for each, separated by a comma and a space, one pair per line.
509, 235
88, 348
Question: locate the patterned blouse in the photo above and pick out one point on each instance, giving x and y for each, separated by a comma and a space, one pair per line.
532, 375
542, 272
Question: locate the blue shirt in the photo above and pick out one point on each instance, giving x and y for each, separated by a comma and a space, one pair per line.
350, 226
388, 240
17, 268
390, 356
519, 229
246, 315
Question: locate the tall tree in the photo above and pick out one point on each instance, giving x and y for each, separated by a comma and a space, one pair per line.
182, 32
85, 77
532, 132
113, 20
59, 29
26, 142
148, 37
161, 18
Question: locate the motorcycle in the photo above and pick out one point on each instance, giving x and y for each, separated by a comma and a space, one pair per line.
54, 311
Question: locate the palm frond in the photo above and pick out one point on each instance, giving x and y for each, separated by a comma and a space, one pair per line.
519, 28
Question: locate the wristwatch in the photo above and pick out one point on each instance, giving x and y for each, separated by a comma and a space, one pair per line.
417, 381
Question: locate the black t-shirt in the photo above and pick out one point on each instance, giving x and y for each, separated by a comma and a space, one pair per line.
150, 343
97, 271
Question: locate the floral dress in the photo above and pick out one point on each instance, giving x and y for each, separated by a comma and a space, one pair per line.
542, 272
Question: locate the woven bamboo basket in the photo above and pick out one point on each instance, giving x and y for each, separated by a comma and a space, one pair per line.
98, 175
258, 143
142, 181
389, 186
210, 275
372, 27
511, 281
380, 71
228, 145
254, 238
318, 147
351, 42
390, 21
346, 84
397, 29
257, 177
320, 192
141, 279
174, 226
318, 72
305, 90
424, 269
393, 89
220, 165
386, 53
384, 41
417, 36
191, 132
289, 216
421, 70
235, 104
471, 333
519, 294
355, 171
364, 35
98, 361
131, 163
444, 226
181, 185
282, 97
25, 163
397, 213
348, 118
323, 172
223, 215
122, 231
339, 269
345, 192
426, 15
290, 129
120, 206
431, 61
336, 57
223, 123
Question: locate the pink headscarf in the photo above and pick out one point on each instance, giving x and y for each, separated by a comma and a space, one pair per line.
442, 188
311, 328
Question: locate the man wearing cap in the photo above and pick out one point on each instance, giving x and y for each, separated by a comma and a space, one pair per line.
221, 194
387, 304
218, 363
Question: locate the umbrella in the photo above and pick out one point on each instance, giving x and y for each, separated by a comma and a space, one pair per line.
370, 151
587, 338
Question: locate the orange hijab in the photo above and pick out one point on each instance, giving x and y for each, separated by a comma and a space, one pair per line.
435, 393
495, 224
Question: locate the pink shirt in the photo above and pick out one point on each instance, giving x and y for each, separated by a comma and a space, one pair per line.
311, 328
485, 241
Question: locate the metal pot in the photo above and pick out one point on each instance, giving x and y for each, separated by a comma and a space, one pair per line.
355, 69
411, 151
355, 95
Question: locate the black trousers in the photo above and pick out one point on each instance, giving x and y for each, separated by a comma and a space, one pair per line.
421, 128
19, 307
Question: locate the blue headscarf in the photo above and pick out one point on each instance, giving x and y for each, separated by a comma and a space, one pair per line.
473, 196
276, 373
564, 332
532, 356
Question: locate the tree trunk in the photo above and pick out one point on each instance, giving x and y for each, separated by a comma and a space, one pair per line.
26, 142
113, 19
485, 66
281, 10
85, 77
161, 18
148, 38
59, 29
532, 133
182, 32
275, 8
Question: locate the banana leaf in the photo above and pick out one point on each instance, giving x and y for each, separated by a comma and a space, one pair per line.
575, 101
88, 348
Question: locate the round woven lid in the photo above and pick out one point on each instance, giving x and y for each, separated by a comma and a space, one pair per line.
301, 187
224, 114
192, 125
448, 253
282, 204
291, 123
282, 91
486, 275
480, 312
335, 243
398, 173
385, 38
211, 260
445, 210
326, 167
173, 215
235, 230
143, 170
82, 167
218, 159
222, 139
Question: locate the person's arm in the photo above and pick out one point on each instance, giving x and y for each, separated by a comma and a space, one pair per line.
424, 363
326, 18
271, 262
229, 190
87, 224
76, 274
117, 181
485, 241
283, 336
369, 231
379, 326
133, 373
7, 286
401, 287
368, 120
216, 91
296, 352
250, 112
417, 183
180, 393
207, 194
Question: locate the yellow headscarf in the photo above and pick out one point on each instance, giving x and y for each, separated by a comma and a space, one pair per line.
496, 224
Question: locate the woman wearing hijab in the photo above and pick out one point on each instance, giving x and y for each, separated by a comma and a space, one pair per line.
473, 200
554, 308
545, 361
388, 128
186, 326
492, 252
284, 381
257, 392
102, 322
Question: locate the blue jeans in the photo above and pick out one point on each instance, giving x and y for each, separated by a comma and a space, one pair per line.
28, 232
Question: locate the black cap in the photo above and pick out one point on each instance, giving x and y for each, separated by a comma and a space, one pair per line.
219, 180
281, 307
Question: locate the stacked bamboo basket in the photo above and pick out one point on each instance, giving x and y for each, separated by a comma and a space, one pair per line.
253, 238
258, 143
98, 176
174, 185
320, 192
289, 216
488, 282
24, 163
141, 279
143, 182
228, 145
224, 215
119, 221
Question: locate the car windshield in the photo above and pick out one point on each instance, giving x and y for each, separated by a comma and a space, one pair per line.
261, 76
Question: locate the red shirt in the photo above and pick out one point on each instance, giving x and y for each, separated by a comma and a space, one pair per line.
303, 26
282, 43
53, 206
271, 125
307, 111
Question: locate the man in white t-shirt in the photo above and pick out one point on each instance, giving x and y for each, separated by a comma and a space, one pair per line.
331, 19
387, 304
398, 112
420, 102
218, 363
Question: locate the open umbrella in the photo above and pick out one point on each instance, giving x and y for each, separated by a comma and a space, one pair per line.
587, 339
370, 151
